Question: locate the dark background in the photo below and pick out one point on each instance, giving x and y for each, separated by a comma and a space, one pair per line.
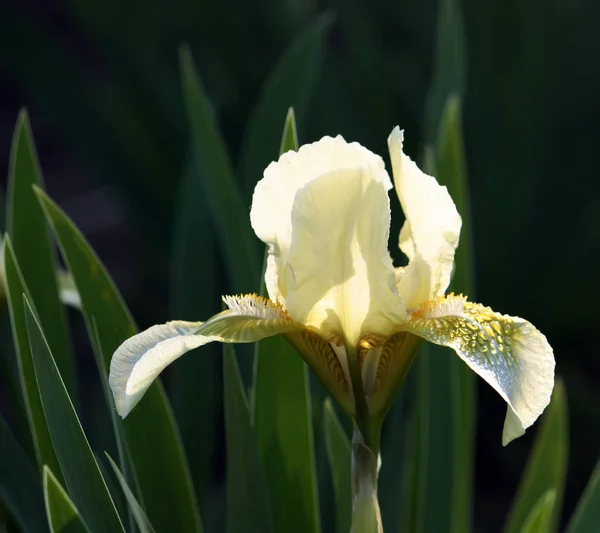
101, 83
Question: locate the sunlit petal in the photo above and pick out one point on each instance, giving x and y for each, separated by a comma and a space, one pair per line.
430, 234
324, 212
140, 359
508, 352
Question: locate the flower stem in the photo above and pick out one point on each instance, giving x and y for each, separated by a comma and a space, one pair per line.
366, 517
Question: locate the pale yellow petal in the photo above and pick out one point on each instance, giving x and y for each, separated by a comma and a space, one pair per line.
324, 212
140, 359
507, 352
430, 234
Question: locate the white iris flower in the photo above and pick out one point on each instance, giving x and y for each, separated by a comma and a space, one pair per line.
324, 213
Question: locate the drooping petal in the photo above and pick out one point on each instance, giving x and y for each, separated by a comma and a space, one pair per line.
430, 234
324, 211
507, 352
140, 359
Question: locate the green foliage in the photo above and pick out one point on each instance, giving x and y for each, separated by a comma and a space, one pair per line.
226, 203
248, 507
290, 84
20, 490
78, 465
540, 516
440, 453
141, 520
15, 289
586, 517
358, 77
159, 465
63, 517
287, 450
26, 226
339, 455
546, 467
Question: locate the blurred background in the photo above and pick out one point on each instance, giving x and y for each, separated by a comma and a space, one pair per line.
101, 82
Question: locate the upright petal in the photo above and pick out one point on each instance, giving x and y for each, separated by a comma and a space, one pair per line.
140, 359
324, 211
430, 234
508, 352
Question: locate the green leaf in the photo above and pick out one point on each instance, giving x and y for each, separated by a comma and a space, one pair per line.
195, 295
451, 172
290, 83
450, 70
289, 139
248, 507
282, 393
416, 468
547, 464
63, 517
340, 458
118, 430
228, 209
81, 472
540, 516
30, 237
586, 518
158, 463
15, 289
19, 484
446, 388
139, 515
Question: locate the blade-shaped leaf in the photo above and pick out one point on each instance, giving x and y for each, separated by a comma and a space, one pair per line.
450, 71
158, 463
31, 240
539, 518
547, 464
281, 393
290, 83
451, 172
339, 455
139, 515
195, 283
586, 518
118, 431
19, 484
82, 475
248, 507
63, 517
229, 213
289, 139
15, 289
446, 387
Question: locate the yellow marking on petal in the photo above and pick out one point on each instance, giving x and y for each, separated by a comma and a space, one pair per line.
255, 305
508, 352
320, 356
249, 318
473, 328
395, 359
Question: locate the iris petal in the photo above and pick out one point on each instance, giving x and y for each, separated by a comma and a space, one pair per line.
430, 234
507, 352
